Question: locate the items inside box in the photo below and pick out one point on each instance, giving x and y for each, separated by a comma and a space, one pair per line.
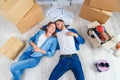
100, 33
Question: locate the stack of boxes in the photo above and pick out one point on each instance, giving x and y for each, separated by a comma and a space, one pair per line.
12, 47
99, 10
23, 13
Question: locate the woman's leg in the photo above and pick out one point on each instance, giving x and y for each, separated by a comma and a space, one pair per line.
18, 67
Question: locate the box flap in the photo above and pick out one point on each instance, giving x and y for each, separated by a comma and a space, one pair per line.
111, 5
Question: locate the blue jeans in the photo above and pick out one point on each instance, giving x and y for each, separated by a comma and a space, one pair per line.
68, 63
24, 62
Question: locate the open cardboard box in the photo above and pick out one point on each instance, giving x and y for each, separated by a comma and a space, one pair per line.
95, 42
93, 14
110, 5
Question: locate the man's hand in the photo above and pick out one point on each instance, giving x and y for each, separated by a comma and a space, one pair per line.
71, 34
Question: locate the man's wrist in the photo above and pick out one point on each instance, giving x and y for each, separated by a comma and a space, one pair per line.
75, 35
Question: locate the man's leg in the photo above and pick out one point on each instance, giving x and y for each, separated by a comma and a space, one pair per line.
77, 68
60, 69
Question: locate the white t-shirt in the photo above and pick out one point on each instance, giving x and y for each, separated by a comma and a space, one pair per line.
67, 43
41, 40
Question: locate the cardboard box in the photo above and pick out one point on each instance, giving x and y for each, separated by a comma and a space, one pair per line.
2, 2
33, 17
110, 5
93, 14
12, 47
95, 42
15, 10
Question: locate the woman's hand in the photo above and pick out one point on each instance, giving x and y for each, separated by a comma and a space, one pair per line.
71, 34
33, 45
37, 49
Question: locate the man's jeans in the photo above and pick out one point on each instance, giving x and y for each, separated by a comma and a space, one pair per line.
68, 63
24, 62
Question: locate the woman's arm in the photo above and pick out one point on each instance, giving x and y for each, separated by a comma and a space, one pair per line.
37, 49
33, 44
52, 49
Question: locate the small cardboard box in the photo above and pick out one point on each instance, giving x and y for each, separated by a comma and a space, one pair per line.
95, 42
15, 10
93, 14
110, 5
12, 47
33, 17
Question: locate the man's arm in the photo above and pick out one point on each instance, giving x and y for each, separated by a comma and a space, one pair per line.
74, 33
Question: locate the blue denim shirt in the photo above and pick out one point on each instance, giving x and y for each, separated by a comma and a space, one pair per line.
49, 45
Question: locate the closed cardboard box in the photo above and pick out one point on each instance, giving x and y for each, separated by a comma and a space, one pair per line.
12, 47
15, 10
93, 14
111, 5
33, 17
2, 2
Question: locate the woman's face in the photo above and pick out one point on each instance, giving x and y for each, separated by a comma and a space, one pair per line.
118, 46
51, 28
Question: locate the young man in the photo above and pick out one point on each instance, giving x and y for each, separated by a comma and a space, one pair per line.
69, 41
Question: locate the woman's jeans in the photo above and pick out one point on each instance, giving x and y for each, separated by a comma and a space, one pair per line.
23, 63
69, 62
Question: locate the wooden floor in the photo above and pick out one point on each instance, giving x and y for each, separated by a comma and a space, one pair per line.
87, 54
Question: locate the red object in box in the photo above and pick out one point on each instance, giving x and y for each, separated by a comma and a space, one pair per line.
100, 29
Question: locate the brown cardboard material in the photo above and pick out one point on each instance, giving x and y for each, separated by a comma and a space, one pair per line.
93, 14
107, 12
2, 2
33, 17
110, 5
12, 47
15, 10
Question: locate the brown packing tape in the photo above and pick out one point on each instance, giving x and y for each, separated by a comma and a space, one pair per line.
107, 12
104, 11
110, 5
99, 10
15, 10
33, 17
93, 15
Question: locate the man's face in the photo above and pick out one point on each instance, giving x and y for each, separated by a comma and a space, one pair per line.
59, 25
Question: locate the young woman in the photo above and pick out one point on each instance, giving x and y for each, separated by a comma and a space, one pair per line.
43, 43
